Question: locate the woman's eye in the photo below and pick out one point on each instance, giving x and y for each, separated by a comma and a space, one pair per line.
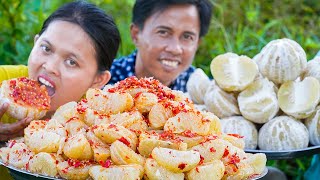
45, 48
71, 62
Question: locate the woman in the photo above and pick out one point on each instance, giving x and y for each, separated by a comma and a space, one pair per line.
73, 52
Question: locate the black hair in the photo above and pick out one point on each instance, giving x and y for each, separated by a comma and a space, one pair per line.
100, 27
143, 9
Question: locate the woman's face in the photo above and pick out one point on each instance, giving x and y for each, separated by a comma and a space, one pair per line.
167, 43
63, 58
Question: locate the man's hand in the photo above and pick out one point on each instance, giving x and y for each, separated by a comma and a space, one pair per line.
9, 131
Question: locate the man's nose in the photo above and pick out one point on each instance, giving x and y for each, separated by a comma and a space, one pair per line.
174, 46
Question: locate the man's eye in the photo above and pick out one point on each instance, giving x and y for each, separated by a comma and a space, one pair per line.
162, 32
45, 48
188, 37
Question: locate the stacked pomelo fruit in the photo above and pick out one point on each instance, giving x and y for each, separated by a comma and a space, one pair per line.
271, 99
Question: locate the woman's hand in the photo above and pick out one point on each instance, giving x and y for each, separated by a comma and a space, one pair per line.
9, 131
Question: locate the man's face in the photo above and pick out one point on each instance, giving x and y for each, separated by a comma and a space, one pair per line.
167, 43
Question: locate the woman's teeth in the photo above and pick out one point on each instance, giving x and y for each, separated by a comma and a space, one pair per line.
170, 63
51, 90
45, 82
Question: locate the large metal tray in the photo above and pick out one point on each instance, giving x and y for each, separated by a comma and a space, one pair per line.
19, 174
289, 154
265, 172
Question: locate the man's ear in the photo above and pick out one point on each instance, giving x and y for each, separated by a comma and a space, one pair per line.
101, 79
134, 32
36, 37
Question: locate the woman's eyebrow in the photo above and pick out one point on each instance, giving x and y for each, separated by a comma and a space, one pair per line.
47, 41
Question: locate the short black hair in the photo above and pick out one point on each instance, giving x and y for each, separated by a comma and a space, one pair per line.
100, 27
143, 9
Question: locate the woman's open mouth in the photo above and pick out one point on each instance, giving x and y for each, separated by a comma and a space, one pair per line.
49, 86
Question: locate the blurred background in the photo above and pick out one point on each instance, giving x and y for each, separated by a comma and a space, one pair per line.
242, 27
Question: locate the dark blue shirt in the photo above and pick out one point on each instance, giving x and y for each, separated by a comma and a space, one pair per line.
124, 67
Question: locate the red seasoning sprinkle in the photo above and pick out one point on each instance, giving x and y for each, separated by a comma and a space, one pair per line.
91, 142
212, 150
105, 164
234, 167
175, 108
65, 171
201, 160
137, 95
189, 133
197, 169
27, 166
209, 138
71, 119
82, 106
112, 126
182, 166
77, 163
11, 143
111, 91
252, 176
124, 141
94, 127
226, 152
236, 135
233, 159
168, 135
151, 85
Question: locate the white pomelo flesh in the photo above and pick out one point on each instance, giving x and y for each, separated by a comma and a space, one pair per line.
233, 72
299, 99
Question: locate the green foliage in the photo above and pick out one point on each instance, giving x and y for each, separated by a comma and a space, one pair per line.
21, 20
242, 27
293, 168
121, 11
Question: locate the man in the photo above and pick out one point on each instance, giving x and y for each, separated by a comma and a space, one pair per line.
166, 34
